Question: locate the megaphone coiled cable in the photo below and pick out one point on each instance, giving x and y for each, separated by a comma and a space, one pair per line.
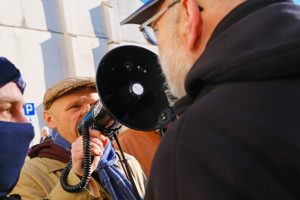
87, 160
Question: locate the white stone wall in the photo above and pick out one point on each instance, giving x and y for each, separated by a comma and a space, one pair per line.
52, 39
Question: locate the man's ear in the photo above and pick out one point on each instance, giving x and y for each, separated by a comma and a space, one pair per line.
193, 22
48, 118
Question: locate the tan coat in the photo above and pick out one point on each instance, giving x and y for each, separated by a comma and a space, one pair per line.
39, 179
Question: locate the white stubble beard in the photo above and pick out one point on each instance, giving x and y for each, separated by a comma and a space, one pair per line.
175, 64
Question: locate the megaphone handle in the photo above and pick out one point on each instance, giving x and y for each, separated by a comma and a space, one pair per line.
124, 160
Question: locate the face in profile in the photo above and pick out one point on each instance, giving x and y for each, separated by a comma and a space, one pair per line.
11, 104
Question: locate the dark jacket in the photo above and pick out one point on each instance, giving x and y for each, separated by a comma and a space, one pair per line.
240, 138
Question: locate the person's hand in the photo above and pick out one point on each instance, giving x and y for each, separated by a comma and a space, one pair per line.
97, 144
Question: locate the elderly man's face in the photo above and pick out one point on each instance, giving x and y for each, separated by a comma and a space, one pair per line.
174, 58
11, 104
67, 111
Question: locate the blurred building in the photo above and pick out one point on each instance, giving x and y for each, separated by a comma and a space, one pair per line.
52, 39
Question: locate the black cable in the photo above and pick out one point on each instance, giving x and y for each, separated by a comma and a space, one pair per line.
161, 132
124, 160
87, 160
122, 164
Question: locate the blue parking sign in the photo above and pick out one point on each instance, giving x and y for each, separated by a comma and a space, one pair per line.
29, 109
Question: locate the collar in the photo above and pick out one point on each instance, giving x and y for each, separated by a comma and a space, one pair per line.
60, 141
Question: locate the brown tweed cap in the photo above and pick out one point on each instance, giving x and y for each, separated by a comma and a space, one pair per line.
64, 86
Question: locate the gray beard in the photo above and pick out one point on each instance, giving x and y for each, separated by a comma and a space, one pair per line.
175, 65
174, 59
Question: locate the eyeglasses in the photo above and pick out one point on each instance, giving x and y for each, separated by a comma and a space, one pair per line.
148, 32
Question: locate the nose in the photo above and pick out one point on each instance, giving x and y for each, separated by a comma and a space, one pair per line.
88, 107
84, 113
85, 109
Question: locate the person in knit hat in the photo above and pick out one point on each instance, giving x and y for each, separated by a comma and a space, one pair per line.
15, 131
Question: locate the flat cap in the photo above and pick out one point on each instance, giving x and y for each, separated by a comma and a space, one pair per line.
65, 86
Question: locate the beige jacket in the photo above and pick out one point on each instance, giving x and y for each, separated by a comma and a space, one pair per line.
39, 179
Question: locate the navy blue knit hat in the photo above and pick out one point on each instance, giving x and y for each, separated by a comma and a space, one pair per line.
9, 73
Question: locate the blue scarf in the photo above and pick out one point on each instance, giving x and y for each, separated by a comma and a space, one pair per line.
60, 141
111, 178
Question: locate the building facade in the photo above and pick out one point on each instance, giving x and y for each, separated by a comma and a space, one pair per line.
52, 39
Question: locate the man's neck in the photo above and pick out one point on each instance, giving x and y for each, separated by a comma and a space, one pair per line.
212, 15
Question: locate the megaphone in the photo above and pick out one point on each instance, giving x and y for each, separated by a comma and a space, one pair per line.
131, 88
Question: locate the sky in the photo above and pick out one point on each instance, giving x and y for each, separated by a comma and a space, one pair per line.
297, 1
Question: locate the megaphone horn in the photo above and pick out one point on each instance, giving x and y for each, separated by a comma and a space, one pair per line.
131, 87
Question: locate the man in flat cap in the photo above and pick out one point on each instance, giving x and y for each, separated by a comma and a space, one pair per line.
15, 131
65, 104
237, 63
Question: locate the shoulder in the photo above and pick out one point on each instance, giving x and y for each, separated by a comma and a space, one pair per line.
44, 164
38, 174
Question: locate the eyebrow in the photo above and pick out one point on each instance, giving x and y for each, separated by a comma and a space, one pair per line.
77, 102
72, 103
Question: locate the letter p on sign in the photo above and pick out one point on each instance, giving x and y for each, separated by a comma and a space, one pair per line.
29, 109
